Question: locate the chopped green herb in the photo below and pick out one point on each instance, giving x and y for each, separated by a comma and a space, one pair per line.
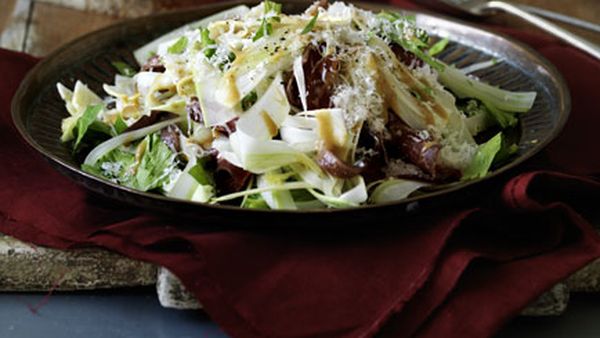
179, 46
309, 27
205, 42
123, 68
249, 100
271, 6
438, 47
413, 43
265, 29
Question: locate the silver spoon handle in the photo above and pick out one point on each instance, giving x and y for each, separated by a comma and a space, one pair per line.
549, 27
562, 18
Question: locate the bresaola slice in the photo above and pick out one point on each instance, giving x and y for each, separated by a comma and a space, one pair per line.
170, 136
333, 165
419, 149
194, 110
154, 64
229, 178
321, 74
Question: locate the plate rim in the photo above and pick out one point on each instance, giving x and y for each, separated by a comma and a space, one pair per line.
453, 187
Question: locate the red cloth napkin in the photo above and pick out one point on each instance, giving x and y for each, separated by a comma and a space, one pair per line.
447, 273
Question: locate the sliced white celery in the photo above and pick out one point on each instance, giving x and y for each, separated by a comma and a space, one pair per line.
285, 186
67, 95
260, 156
304, 140
318, 179
350, 198
143, 53
395, 190
464, 86
144, 81
332, 201
300, 81
276, 199
184, 187
265, 117
304, 120
331, 131
479, 66
83, 97
124, 86
256, 63
187, 188
358, 193
113, 143
207, 79
175, 105
203, 193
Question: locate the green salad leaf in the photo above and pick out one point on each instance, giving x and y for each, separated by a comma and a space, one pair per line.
85, 121
147, 171
482, 161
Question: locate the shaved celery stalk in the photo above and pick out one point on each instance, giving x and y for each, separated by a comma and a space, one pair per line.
143, 53
276, 199
256, 64
260, 156
395, 190
300, 80
206, 79
304, 140
285, 186
465, 86
479, 66
188, 188
131, 136
263, 119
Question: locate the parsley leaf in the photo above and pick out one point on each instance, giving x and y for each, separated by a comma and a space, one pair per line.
249, 100
309, 27
206, 41
179, 46
123, 68
265, 29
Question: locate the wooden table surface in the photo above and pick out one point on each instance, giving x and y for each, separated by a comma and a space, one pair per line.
39, 26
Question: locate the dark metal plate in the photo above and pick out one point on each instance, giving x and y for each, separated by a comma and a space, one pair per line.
37, 109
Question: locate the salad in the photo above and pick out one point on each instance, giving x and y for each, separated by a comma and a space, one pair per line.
335, 107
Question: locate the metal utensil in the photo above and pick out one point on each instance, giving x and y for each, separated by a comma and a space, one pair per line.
484, 7
562, 18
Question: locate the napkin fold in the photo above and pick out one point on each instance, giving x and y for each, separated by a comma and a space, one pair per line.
449, 272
